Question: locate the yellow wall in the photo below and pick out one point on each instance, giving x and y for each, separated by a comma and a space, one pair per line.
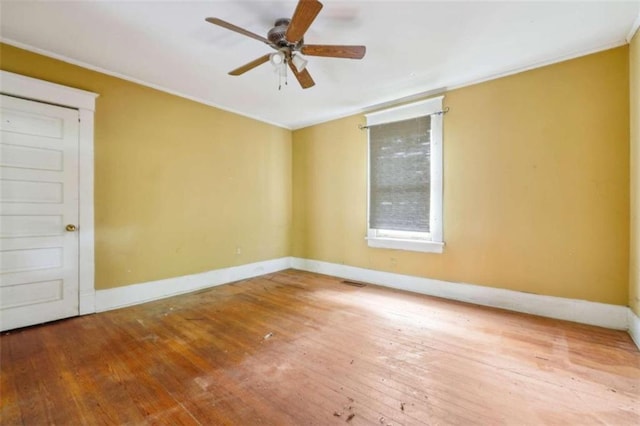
536, 185
536, 182
178, 185
634, 74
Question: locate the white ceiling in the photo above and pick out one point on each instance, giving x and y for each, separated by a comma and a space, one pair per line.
413, 47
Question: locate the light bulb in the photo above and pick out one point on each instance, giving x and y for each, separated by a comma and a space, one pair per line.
299, 62
276, 58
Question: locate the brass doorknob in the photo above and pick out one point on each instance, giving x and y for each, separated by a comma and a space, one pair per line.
70, 228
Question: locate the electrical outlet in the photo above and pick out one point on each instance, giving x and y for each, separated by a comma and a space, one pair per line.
238, 250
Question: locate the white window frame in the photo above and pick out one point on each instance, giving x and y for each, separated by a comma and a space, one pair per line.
429, 242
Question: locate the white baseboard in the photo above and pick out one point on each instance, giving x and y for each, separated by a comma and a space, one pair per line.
134, 294
582, 311
634, 327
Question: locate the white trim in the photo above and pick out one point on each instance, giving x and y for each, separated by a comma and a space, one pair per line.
86, 218
634, 327
633, 29
84, 102
328, 117
133, 80
436, 215
405, 112
460, 84
535, 65
581, 311
423, 246
134, 294
44, 91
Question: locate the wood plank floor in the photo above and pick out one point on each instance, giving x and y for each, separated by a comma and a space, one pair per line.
295, 348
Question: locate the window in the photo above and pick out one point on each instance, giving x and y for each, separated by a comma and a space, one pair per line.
405, 177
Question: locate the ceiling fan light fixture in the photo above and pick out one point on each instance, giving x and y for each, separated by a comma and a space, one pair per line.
276, 58
299, 62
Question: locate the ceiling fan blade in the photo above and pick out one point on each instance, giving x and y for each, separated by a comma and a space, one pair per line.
334, 51
304, 78
305, 13
227, 25
251, 65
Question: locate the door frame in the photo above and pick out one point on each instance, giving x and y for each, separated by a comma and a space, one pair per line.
43, 91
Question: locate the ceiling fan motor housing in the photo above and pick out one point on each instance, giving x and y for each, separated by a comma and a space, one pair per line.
276, 35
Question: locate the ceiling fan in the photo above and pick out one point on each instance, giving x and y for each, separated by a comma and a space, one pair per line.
286, 37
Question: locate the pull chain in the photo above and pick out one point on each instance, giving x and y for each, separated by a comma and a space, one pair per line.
281, 71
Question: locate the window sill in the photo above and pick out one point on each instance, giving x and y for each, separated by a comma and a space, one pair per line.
410, 245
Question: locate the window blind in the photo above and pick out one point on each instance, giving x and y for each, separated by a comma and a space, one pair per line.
400, 175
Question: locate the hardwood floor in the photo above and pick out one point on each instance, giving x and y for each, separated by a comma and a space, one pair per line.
298, 348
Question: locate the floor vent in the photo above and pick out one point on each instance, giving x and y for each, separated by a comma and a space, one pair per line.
354, 283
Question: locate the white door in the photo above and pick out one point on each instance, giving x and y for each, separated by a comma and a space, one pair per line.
38, 212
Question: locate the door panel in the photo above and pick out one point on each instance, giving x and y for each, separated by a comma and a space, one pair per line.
38, 198
30, 225
24, 191
34, 124
30, 259
16, 296
26, 157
